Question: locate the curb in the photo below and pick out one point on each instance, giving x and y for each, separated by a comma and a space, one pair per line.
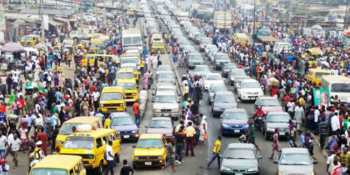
323, 152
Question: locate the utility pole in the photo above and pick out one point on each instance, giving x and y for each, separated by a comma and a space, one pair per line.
105, 13
254, 28
42, 21
81, 17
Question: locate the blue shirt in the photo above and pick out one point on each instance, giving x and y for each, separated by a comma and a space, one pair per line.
145, 52
302, 140
58, 96
175, 59
333, 142
3, 116
290, 58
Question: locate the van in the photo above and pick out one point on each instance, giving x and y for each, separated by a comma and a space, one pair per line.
130, 89
66, 128
241, 38
312, 52
132, 66
97, 44
279, 46
150, 151
337, 85
131, 58
91, 146
125, 73
101, 57
315, 75
157, 43
30, 40
112, 99
59, 164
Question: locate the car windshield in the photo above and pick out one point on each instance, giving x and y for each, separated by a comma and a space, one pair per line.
127, 86
340, 87
271, 102
218, 88
202, 68
230, 66
149, 143
66, 128
221, 57
249, 85
129, 60
278, 118
26, 38
79, 143
320, 75
160, 124
165, 99
186, 49
195, 57
206, 42
224, 98
125, 75
166, 76
164, 68
295, 159
50, 171
199, 35
236, 116
240, 153
237, 72
214, 77
157, 43
111, 96
120, 121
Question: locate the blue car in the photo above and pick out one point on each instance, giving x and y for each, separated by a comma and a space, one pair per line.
234, 121
124, 123
221, 101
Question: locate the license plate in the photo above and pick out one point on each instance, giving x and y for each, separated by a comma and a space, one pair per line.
236, 131
282, 133
253, 98
166, 114
126, 136
238, 173
148, 163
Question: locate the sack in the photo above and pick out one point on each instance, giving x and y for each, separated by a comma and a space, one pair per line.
205, 136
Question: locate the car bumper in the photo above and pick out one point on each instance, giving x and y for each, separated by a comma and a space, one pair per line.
131, 98
233, 131
129, 136
218, 111
281, 134
237, 173
112, 109
218, 66
151, 163
165, 114
250, 97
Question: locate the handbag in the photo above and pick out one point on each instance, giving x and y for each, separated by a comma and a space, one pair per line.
205, 136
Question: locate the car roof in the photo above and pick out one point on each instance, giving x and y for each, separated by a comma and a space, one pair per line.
166, 85
249, 80
194, 53
151, 136
161, 118
243, 145
120, 114
278, 113
235, 110
213, 74
165, 93
224, 92
295, 150
268, 98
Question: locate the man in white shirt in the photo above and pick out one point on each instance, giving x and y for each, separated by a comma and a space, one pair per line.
4, 168
3, 144
330, 160
316, 115
110, 158
291, 107
335, 122
15, 144
96, 96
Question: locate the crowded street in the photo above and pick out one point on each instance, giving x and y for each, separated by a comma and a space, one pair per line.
131, 90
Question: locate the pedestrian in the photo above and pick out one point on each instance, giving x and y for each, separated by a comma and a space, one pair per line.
96, 97
180, 141
299, 115
126, 169
42, 136
136, 109
190, 133
203, 129
216, 151
145, 80
251, 135
322, 128
335, 122
24, 137
107, 123
275, 144
15, 145
4, 168
302, 139
3, 144
170, 156
109, 158
175, 60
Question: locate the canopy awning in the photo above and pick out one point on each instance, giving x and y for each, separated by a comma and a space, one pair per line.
55, 23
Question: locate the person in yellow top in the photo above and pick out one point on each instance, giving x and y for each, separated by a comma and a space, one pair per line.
185, 91
216, 151
190, 133
142, 64
107, 123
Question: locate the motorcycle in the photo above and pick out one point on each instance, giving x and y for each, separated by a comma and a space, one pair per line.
258, 122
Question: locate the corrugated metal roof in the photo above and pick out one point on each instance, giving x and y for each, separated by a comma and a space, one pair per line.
50, 12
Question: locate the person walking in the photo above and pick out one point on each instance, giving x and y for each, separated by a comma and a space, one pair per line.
109, 158
180, 140
15, 145
136, 109
4, 168
145, 80
216, 152
190, 133
175, 60
276, 143
299, 115
322, 128
170, 156
126, 169
42, 136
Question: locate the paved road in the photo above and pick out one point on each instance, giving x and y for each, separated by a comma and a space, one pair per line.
192, 165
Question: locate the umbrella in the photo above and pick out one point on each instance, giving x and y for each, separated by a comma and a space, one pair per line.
40, 46
12, 47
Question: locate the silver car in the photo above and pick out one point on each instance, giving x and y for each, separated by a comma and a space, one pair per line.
194, 59
166, 77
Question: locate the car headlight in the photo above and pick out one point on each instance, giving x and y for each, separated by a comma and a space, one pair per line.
159, 157
225, 125
168, 135
136, 158
134, 132
253, 169
215, 108
59, 142
133, 94
281, 173
101, 105
270, 129
224, 168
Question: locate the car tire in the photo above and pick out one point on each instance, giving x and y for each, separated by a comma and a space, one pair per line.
134, 166
100, 168
266, 138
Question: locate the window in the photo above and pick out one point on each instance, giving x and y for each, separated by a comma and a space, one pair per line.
113, 138
340, 87
106, 139
77, 169
79, 143
113, 95
98, 142
90, 57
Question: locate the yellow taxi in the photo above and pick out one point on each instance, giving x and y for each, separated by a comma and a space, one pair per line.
133, 67
130, 89
315, 75
131, 11
112, 99
91, 146
241, 38
149, 151
125, 73
30, 40
59, 164
66, 128
133, 58
157, 43
100, 57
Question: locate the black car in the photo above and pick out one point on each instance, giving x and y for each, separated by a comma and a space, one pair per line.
276, 120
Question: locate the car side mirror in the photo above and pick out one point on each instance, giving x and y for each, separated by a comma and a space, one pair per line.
275, 162
133, 146
315, 162
146, 126
221, 117
259, 157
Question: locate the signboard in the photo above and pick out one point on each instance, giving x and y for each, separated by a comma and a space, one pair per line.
321, 97
316, 32
46, 22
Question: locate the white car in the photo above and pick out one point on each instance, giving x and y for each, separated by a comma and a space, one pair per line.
166, 104
249, 89
209, 47
192, 34
212, 78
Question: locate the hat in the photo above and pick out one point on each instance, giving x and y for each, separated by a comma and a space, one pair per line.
39, 143
3, 160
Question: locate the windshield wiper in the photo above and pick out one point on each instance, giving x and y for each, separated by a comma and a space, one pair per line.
163, 127
226, 102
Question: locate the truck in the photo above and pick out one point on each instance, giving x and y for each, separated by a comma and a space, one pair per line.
264, 36
222, 21
204, 10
